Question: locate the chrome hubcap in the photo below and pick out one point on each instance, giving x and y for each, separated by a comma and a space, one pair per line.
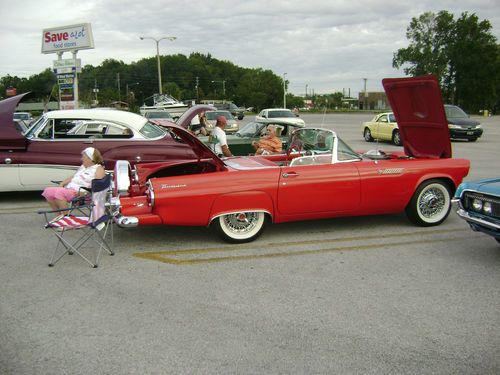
431, 202
241, 222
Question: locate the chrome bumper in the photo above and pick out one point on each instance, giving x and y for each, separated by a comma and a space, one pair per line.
126, 221
465, 215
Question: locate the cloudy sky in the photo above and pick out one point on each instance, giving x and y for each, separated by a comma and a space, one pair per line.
324, 45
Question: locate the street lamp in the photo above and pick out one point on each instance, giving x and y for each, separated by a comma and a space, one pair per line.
171, 38
223, 87
284, 90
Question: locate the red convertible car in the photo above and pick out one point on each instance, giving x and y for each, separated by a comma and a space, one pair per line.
319, 176
50, 149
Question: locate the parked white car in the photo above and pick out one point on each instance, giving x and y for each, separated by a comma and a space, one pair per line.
279, 114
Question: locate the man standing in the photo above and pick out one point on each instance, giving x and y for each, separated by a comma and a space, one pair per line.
218, 138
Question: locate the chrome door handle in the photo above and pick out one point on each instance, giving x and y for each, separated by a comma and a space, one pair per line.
291, 174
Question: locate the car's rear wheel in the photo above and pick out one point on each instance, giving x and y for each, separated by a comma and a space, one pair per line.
498, 239
240, 227
396, 138
367, 134
430, 204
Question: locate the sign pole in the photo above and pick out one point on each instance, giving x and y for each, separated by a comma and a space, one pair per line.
75, 87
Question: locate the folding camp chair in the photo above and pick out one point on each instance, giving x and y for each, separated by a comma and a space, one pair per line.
88, 218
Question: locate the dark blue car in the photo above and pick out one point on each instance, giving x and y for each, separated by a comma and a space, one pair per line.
479, 205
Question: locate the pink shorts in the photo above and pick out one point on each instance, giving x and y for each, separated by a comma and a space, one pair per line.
57, 192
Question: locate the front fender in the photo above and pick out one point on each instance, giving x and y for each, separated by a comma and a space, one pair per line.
244, 201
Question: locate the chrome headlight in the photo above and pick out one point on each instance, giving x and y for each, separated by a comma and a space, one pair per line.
487, 208
477, 204
451, 126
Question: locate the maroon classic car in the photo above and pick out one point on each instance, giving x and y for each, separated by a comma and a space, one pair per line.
50, 148
318, 177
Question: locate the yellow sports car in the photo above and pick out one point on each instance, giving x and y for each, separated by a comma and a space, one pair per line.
382, 127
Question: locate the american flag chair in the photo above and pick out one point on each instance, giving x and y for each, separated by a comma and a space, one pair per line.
88, 220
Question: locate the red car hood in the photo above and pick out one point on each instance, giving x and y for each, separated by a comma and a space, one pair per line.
419, 111
10, 138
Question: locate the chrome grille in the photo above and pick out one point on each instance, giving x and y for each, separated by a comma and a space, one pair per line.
495, 203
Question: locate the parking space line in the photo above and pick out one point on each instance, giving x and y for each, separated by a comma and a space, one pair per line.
172, 256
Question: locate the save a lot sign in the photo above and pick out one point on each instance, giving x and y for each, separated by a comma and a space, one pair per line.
67, 38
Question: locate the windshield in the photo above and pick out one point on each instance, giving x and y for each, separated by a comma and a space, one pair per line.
344, 152
150, 130
35, 126
280, 113
250, 130
212, 115
455, 112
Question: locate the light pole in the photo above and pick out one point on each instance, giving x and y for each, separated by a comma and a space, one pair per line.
284, 90
171, 38
223, 87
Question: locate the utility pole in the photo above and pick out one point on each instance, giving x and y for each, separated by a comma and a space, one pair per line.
365, 95
119, 91
197, 93
284, 90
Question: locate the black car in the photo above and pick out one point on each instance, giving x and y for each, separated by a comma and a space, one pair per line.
461, 125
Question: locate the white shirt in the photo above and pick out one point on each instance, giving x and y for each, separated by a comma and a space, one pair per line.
218, 139
83, 177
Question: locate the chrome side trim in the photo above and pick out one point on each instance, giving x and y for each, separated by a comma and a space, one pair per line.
465, 215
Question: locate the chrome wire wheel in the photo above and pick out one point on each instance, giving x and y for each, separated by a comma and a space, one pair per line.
430, 204
241, 226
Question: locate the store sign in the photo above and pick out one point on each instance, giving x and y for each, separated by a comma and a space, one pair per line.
67, 38
67, 66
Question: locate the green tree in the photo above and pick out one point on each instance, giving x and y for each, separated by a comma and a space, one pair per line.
462, 53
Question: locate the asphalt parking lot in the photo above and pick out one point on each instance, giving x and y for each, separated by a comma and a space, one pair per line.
366, 295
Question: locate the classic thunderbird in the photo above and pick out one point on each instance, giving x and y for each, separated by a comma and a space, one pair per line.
50, 149
479, 205
318, 177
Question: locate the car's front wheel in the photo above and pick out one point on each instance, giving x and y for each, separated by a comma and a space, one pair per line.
367, 134
430, 204
240, 227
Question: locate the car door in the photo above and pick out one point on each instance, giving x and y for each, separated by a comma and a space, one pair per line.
384, 128
309, 189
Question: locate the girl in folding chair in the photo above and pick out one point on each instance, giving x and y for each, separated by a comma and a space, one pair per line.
59, 197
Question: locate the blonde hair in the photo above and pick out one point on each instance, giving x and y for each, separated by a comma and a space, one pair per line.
97, 157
